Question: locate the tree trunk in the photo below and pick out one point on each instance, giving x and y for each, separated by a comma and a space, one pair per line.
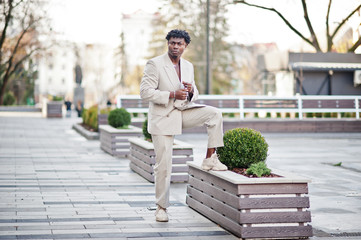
2, 90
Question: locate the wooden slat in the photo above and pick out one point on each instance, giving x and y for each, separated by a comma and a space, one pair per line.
277, 232
121, 152
182, 159
274, 217
280, 188
143, 156
145, 166
149, 152
178, 168
274, 202
179, 177
180, 152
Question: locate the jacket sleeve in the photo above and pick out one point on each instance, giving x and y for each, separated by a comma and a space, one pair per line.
149, 85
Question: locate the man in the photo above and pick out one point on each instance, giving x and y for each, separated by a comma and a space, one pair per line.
168, 84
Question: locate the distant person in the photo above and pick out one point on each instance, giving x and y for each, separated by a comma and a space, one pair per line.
68, 108
168, 84
79, 108
109, 103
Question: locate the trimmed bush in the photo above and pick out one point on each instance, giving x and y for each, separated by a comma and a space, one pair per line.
146, 134
242, 147
9, 98
259, 169
119, 118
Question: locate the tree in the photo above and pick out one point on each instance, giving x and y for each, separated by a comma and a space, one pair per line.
191, 16
21, 25
313, 39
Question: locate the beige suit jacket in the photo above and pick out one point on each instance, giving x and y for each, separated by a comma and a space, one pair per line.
159, 79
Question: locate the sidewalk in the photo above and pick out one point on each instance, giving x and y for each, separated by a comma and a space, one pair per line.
55, 184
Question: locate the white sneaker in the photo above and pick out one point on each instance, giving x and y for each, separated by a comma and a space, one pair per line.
208, 163
161, 215
217, 165
213, 163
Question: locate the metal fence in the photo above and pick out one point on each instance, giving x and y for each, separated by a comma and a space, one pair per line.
255, 104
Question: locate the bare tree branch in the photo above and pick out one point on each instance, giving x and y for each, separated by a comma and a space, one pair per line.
310, 28
16, 66
328, 37
345, 20
355, 46
281, 16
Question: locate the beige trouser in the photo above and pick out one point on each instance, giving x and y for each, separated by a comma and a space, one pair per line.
163, 145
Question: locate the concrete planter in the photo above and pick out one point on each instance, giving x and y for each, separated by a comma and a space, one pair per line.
54, 109
142, 157
115, 141
251, 207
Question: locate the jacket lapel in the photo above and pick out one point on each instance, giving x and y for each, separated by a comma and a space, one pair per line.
171, 72
185, 72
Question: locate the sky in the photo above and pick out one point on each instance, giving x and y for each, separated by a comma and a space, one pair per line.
77, 19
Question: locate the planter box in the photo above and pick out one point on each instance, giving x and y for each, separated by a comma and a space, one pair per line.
85, 132
54, 109
102, 119
115, 141
251, 207
142, 159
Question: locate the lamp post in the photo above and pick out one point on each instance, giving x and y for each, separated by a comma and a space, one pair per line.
208, 65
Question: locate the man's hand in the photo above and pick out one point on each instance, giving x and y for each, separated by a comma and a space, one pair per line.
181, 94
188, 86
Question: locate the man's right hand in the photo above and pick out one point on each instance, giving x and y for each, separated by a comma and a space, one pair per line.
181, 94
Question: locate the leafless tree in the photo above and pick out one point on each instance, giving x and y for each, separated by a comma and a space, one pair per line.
22, 25
313, 39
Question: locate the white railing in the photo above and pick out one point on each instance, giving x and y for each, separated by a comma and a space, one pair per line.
254, 104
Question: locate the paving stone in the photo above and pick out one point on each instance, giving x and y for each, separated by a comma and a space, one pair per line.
52, 179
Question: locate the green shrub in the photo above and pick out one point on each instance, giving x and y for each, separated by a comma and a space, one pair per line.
85, 115
318, 115
9, 98
326, 115
90, 117
242, 147
259, 169
119, 118
146, 134
57, 98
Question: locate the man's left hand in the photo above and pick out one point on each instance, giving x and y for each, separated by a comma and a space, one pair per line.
188, 87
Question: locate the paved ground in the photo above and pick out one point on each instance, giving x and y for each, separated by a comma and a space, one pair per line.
55, 184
